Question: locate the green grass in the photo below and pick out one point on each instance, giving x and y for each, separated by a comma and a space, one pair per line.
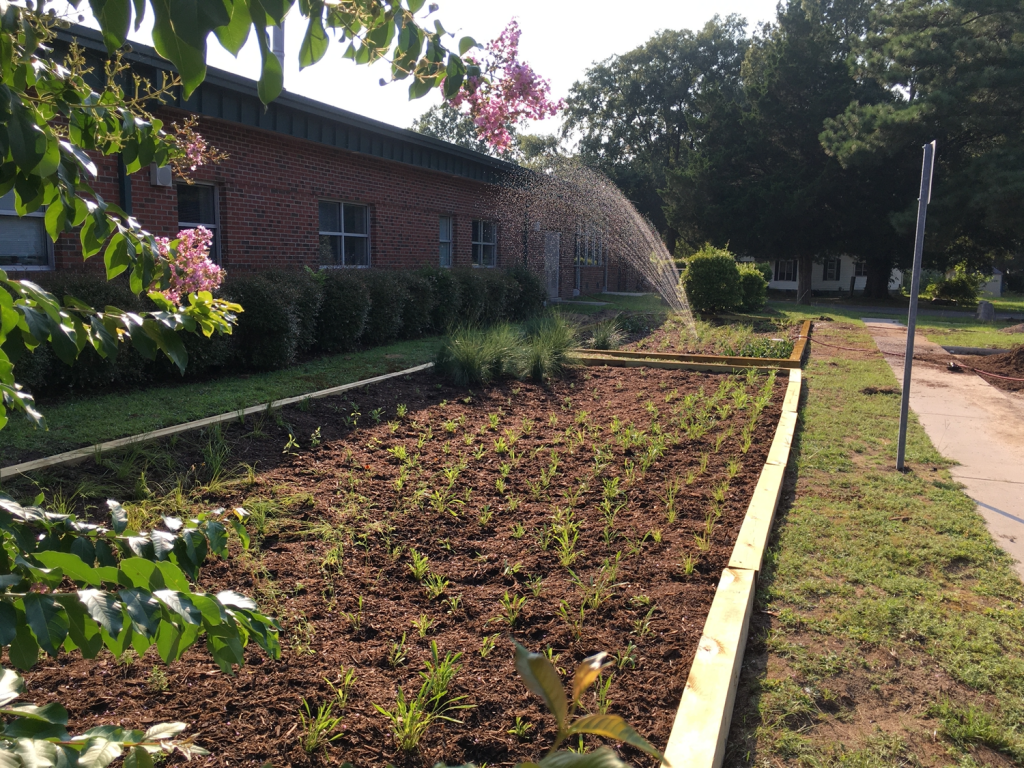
649, 302
971, 334
1010, 302
87, 420
888, 627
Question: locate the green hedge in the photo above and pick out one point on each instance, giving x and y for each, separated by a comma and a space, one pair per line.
753, 288
712, 280
288, 315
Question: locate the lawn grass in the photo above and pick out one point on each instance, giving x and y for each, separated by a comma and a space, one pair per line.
959, 334
649, 302
1010, 302
888, 628
85, 420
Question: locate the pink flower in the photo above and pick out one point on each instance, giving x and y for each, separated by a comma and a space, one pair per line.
190, 265
510, 94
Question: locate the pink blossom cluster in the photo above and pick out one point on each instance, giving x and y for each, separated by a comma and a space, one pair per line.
507, 94
191, 268
194, 147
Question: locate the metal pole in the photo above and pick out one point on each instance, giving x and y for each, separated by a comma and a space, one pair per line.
915, 284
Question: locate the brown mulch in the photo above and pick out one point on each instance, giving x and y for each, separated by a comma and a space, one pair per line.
344, 490
1010, 364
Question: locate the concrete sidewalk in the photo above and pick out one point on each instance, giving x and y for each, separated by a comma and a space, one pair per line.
971, 422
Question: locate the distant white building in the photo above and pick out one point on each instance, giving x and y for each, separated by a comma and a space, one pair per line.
994, 286
841, 274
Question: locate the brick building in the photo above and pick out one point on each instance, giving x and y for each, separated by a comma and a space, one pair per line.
309, 185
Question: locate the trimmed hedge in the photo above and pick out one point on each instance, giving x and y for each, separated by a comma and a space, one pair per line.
753, 288
287, 314
712, 280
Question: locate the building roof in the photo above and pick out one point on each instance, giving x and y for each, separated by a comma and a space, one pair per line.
228, 96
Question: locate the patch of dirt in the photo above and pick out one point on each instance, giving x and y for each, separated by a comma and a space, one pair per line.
1019, 328
352, 489
879, 391
1008, 364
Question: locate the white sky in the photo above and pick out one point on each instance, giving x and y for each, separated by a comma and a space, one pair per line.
560, 39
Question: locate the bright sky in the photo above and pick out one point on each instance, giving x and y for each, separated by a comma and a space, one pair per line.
560, 40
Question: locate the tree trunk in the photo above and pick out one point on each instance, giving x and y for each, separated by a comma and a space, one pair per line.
877, 283
803, 280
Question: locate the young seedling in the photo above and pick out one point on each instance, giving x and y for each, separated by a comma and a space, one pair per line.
642, 627
670, 501
541, 677
487, 645
355, 618
423, 624
402, 410
419, 566
626, 657
396, 655
435, 584
521, 729
511, 608
346, 680
486, 513
689, 564
320, 729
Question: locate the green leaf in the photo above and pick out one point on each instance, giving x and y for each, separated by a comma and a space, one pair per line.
271, 80
179, 604
465, 44
24, 650
114, 17
587, 672
25, 138
169, 643
599, 758
115, 257
314, 44
542, 679
614, 727
162, 731
75, 569
143, 610
420, 87
83, 631
118, 516
8, 622
138, 758
11, 685
52, 713
189, 60
36, 754
48, 622
233, 35
100, 753
104, 609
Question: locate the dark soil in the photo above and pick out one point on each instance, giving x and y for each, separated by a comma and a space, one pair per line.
1008, 364
342, 491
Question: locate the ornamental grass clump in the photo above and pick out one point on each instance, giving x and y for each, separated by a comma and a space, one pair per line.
606, 335
550, 340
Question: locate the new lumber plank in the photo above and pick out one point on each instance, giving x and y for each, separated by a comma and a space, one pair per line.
752, 540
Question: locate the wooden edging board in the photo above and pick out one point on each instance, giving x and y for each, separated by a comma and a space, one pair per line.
80, 454
701, 725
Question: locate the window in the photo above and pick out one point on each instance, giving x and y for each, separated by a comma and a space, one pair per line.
785, 270
485, 243
197, 206
860, 269
589, 246
24, 243
344, 235
831, 270
445, 238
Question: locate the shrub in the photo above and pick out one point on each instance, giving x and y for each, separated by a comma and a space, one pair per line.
473, 298
267, 336
346, 303
532, 294
961, 288
550, 340
753, 288
304, 293
606, 335
447, 298
712, 280
417, 311
387, 298
501, 292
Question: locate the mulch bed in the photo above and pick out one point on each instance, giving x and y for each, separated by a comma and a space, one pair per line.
343, 491
1009, 364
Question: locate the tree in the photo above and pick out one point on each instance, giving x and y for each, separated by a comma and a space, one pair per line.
445, 122
51, 118
641, 115
952, 71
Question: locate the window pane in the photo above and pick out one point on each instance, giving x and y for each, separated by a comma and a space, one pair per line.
488, 253
330, 250
356, 252
330, 217
446, 254
488, 231
445, 229
23, 241
195, 204
355, 220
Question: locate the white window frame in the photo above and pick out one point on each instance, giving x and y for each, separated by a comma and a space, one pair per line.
450, 242
860, 269
214, 228
779, 274
833, 267
343, 235
493, 243
41, 215
589, 246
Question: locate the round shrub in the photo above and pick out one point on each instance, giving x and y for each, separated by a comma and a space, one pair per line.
267, 336
387, 298
712, 280
304, 293
447, 298
343, 313
753, 288
417, 311
532, 294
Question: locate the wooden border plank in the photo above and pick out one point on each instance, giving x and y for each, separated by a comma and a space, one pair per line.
669, 365
778, 454
81, 454
801, 343
705, 710
744, 362
791, 403
752, 540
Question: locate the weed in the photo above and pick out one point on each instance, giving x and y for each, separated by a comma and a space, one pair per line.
423, 624
626, 657
291, 445
419, 566
435, 584
396, 654
642, 627
302, 637
402, 411
518, 530
157, 681
320, 729
521, 729
315, 439
511, 608
346, 679
454, 603
733, 468
487, 645
601, 692
670, 501
411, 718
355, 618
486, 513
689, 564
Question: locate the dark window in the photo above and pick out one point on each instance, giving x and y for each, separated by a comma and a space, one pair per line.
24, 243
485, 243
344, 235
445, 238
831, 271
860, 269
785, 270
197, 206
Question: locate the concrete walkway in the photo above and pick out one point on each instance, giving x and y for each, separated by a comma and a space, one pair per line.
971, 422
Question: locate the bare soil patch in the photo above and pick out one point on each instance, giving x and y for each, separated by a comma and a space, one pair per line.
1008, 364
343, 512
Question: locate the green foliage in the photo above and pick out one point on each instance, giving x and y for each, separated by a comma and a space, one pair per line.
962, 287
531, 295
712, 280
753, 288
343, 314
606, 335
547, 352
471, 293
268, 334
445, 313
304, 295
388, 296
417, 310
